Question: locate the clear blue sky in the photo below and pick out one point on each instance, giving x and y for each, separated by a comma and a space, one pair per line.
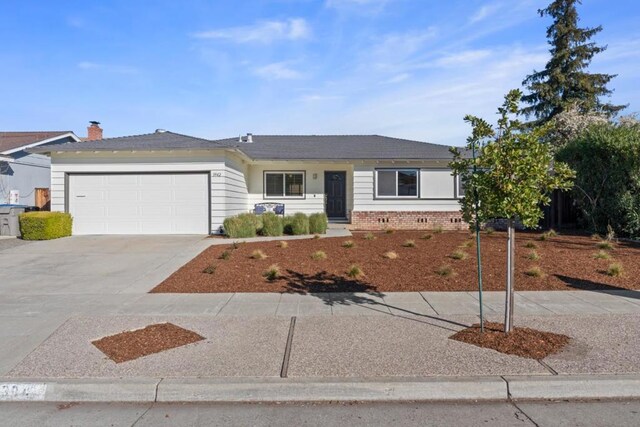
406, 68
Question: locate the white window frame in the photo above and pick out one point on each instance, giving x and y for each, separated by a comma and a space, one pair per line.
284, 184
396, 170
458, 186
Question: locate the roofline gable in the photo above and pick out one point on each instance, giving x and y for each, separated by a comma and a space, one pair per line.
42, 142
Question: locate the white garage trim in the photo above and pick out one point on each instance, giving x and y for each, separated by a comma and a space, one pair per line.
139, 203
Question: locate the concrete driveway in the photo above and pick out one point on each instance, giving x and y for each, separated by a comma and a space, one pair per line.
42, 284
94, 264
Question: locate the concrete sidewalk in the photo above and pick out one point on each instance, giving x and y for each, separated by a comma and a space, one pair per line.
58, 296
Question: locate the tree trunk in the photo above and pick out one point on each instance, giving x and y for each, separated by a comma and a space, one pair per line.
508, 306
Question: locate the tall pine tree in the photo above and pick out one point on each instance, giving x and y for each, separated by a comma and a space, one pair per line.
565, 83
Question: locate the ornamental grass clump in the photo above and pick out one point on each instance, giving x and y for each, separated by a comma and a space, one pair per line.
604, 245
272, 273
318, 255
258, 254
210, 269
409, 243
459, 255
282, 244
438, 230
445, 271
390, 255
530, 245
355, 272
225, 255
602, 255
489, 230
533, 256
467, 244
548, 235
389, 231
369, 236
426, 236
534, 272
348, 244
615, 270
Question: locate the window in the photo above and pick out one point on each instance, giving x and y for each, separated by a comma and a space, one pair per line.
284, 184
461, 187
397, 183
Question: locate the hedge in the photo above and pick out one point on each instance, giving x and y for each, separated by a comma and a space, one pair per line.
318, 223
45, 225
297, 224
243, 225
272, 225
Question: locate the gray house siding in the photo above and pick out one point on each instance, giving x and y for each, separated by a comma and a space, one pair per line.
26, 173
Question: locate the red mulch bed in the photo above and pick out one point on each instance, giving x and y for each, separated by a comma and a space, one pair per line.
523, 342
131, 345
567, 262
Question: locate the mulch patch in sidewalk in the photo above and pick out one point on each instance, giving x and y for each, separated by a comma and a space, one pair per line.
421, 261
523, 342
151, 339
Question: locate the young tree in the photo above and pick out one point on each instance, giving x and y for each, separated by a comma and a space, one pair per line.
564, 82
514, 175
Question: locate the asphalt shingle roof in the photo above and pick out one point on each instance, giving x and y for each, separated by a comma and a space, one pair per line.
146, 142
337, 147
275, 147
13, 140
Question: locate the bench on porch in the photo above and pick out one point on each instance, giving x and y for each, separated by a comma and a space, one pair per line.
277, 208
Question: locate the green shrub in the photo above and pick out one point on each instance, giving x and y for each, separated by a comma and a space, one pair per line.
243, 225
606, 159
297, 224
318, 223
272, 225
45, 225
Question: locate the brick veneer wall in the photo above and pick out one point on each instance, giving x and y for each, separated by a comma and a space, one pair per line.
407, 220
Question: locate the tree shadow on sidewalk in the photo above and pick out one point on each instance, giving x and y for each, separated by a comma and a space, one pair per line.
589, 285
334, 290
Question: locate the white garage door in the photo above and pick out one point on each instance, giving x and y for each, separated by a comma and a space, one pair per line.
139, 203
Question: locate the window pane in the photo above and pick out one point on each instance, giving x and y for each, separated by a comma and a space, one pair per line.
386, 183
407, 183
274, 184
294, 184
462, 187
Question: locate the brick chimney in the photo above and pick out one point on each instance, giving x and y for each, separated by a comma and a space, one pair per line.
94, 131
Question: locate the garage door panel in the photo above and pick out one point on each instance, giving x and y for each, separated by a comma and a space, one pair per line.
140, 203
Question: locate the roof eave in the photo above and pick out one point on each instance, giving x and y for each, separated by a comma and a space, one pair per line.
26, 147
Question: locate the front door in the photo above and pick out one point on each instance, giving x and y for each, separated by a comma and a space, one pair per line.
335, 191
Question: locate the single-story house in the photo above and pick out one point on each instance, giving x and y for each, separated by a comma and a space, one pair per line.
168, 183
25, 177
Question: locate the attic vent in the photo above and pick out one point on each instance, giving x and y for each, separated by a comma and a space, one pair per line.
248, 138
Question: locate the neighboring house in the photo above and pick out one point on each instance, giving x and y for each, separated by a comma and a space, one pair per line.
167, 183
27, 175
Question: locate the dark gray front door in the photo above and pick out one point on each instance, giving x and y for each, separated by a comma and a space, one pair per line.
335, 190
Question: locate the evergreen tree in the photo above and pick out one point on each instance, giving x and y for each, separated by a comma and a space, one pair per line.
564, 83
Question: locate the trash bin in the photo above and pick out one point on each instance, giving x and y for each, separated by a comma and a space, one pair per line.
9, 222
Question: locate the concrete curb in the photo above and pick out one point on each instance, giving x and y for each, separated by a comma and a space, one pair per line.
574, 387
318, 390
